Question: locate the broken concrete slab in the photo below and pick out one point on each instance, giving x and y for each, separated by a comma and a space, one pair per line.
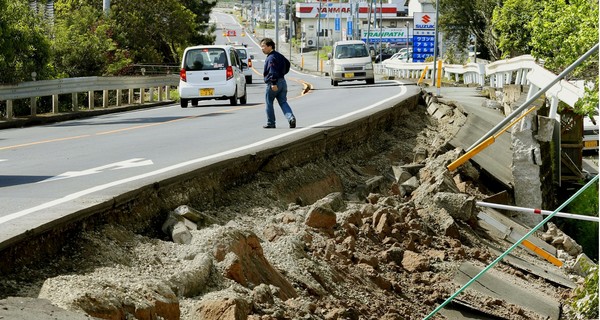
508, 288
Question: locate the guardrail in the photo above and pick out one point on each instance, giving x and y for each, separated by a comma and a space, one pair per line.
143, 86
522, 70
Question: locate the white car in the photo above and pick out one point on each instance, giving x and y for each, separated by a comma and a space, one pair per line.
246, 58
212, 72
350, 61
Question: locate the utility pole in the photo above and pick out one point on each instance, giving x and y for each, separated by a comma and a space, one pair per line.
435, 45
276, 25
106, 6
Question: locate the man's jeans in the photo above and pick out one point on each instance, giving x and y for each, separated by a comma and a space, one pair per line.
281, 96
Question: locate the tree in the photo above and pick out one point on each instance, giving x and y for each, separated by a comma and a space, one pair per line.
511, 22
556, 32
24, 46
83, 45
156, 31
460, 19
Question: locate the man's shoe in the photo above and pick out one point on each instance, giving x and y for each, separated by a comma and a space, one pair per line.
269, 126
292, 122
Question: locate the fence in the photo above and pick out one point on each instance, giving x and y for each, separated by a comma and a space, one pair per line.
519, 70
143, 86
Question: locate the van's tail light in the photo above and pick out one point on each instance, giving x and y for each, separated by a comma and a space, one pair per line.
183, 75
229, 72
249, 63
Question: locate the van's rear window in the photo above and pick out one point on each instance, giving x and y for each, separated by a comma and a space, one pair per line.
206, 59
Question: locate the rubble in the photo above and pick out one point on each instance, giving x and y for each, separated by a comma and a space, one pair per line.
385, 246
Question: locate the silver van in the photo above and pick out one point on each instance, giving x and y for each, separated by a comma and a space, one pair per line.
350, 61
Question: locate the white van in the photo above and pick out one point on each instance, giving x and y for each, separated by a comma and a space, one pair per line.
212, 72
350, 61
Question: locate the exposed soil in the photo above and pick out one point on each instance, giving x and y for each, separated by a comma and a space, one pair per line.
384, 257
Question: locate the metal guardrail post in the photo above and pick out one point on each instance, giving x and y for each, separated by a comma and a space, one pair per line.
9, 110
55, 103
130, 97
74, 101
90, 100
119, 97
33, 105
105, 99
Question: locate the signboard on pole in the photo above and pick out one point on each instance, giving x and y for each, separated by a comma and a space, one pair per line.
423, 35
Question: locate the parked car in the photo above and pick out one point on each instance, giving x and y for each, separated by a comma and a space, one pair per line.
246, 57
388, 52
350, 61
212, 72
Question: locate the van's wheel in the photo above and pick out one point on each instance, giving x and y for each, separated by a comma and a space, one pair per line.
233, 100
334, 83
371, 81
194, 102
249, 80
184, 102
244, 98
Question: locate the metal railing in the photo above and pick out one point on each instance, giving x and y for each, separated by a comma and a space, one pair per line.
145, 88
521, 70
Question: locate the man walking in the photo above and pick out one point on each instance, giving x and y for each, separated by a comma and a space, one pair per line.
276, 66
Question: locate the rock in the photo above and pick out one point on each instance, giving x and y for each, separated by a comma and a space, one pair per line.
401, 174
412, 261
410, 185
320, 217
226, 309
241, 258
458, 205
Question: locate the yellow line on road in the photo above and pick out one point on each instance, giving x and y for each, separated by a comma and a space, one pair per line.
42, 142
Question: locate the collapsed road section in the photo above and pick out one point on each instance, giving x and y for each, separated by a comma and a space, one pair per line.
359, 222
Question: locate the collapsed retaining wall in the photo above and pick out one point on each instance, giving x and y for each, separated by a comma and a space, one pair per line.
145, 209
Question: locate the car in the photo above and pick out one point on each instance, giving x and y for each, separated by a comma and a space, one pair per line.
350, 61
387, 52
211, 72
246, 57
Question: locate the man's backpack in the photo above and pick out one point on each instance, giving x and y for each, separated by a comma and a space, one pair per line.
287, 64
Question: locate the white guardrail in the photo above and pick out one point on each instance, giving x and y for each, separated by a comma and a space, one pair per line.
145, 86
521, 70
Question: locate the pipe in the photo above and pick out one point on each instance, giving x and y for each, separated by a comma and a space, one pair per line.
537, 211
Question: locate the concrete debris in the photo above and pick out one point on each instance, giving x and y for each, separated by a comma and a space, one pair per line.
561, 241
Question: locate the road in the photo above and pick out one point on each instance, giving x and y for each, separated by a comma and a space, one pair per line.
48, 172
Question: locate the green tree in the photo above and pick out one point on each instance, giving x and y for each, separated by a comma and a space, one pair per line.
83, 45
562, 32
557, 32
154, 31
461, 19
24, 46
511, 22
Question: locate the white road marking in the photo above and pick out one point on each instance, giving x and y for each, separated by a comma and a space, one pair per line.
131, 163
82, 193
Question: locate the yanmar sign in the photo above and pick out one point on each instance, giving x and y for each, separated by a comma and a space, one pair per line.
424, 20
344, 10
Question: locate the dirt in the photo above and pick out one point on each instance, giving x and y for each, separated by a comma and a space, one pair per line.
348, 271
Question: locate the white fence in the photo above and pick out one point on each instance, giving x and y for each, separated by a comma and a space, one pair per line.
520, 70
143, 86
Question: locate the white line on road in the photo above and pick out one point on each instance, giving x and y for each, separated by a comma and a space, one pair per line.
136, 162
82, 193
